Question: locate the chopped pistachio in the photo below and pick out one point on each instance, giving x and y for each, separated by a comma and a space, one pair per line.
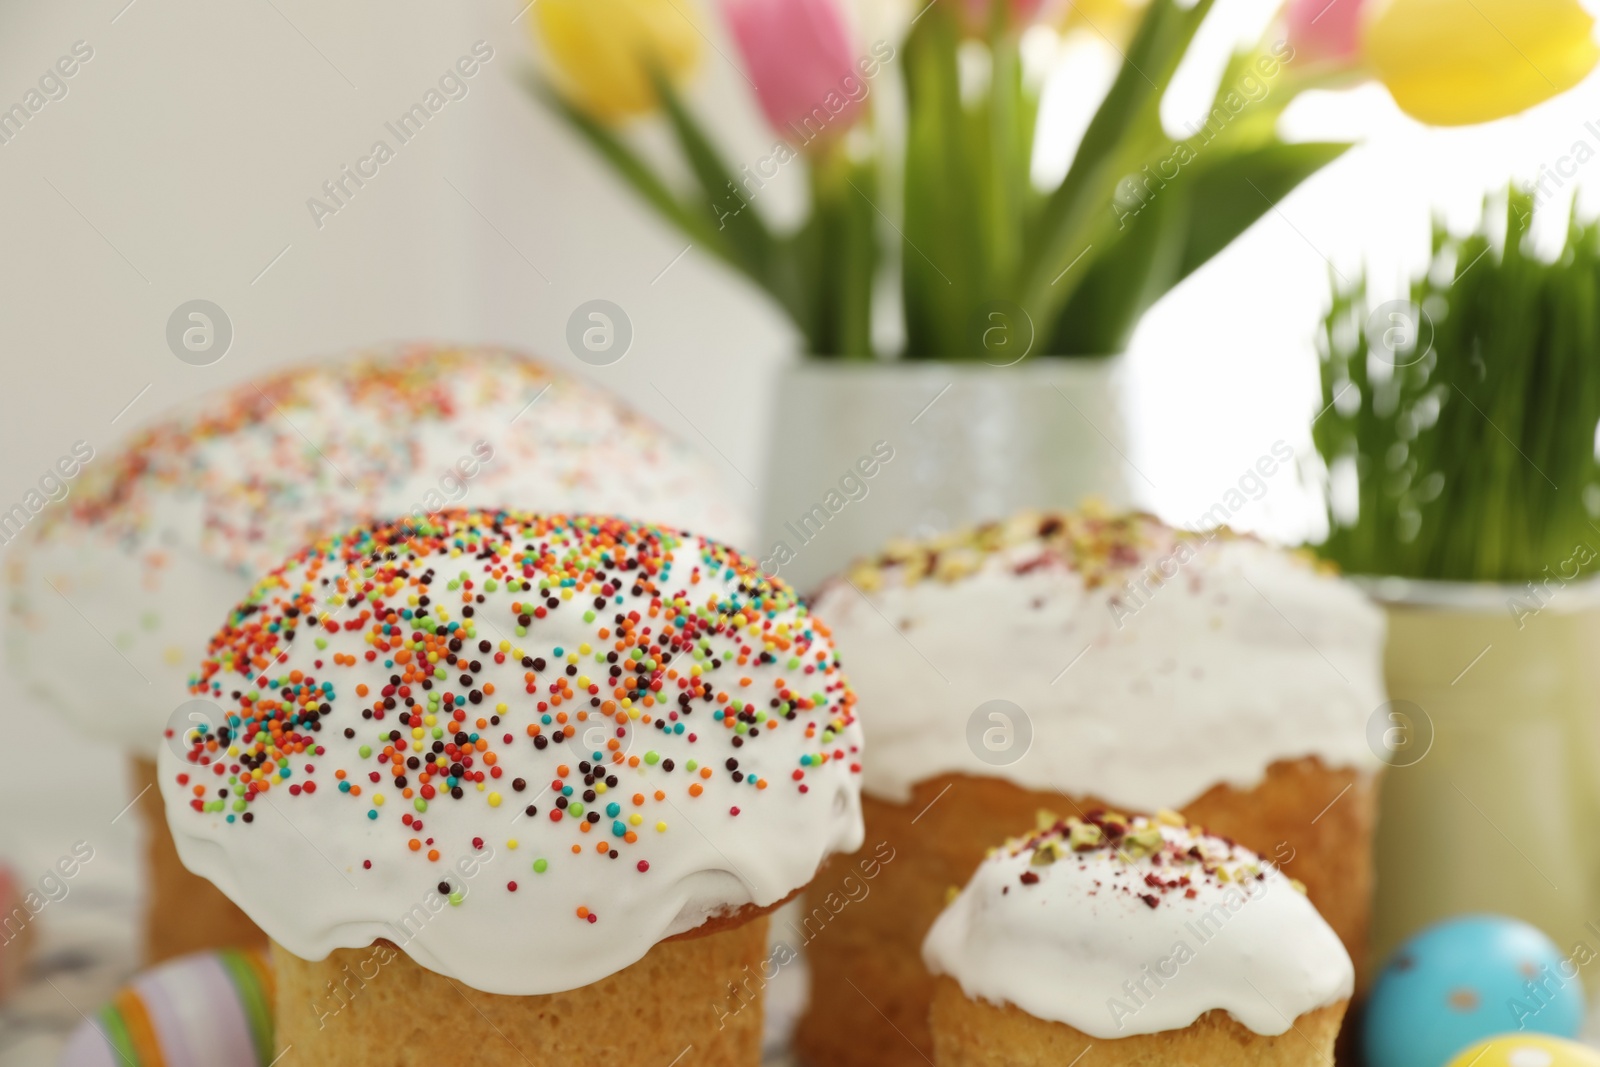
1146, 839
1083, 836
957, 563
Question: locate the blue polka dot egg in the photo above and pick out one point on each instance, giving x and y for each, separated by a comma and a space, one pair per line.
1467, 979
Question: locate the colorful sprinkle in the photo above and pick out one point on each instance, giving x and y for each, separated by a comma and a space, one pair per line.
406, 670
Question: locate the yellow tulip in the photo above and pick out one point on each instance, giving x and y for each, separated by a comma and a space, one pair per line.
1115, 20
602, 51
1456, 62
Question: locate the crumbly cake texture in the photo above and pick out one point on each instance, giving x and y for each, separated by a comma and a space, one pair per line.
690, 1002
183, 913
525, 748
16, 934
950, 824
974, 1033
115, 590
1124, 925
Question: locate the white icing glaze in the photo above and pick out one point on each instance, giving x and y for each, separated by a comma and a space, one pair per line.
295, 860
153, 558
1083, 945
1142, 692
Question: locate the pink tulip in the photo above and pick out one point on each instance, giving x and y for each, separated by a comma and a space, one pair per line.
1022, 12
1325, 30
809, 77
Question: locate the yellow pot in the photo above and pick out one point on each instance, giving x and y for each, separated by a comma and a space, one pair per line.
1492, 801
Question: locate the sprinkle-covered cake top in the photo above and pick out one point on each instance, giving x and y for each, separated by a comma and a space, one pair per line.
580, 734
417, 387
264, 452
156, 541
1120, 925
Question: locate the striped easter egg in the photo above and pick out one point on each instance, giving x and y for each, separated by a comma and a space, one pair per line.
211, 1009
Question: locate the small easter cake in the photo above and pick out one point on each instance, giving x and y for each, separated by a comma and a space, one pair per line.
1145, 938
1102, 660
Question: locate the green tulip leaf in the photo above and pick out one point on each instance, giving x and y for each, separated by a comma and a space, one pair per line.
728, 211
1139, 266
1125, 130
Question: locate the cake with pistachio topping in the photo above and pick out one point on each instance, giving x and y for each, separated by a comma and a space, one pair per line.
1147, 939
1102, 660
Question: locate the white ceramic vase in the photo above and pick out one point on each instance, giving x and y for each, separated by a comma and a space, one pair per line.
865, 452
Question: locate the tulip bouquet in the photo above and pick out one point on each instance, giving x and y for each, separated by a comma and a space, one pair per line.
938, 199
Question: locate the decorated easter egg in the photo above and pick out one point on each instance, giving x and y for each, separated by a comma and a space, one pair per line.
1465, 980
1527, 1050
210, 1008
